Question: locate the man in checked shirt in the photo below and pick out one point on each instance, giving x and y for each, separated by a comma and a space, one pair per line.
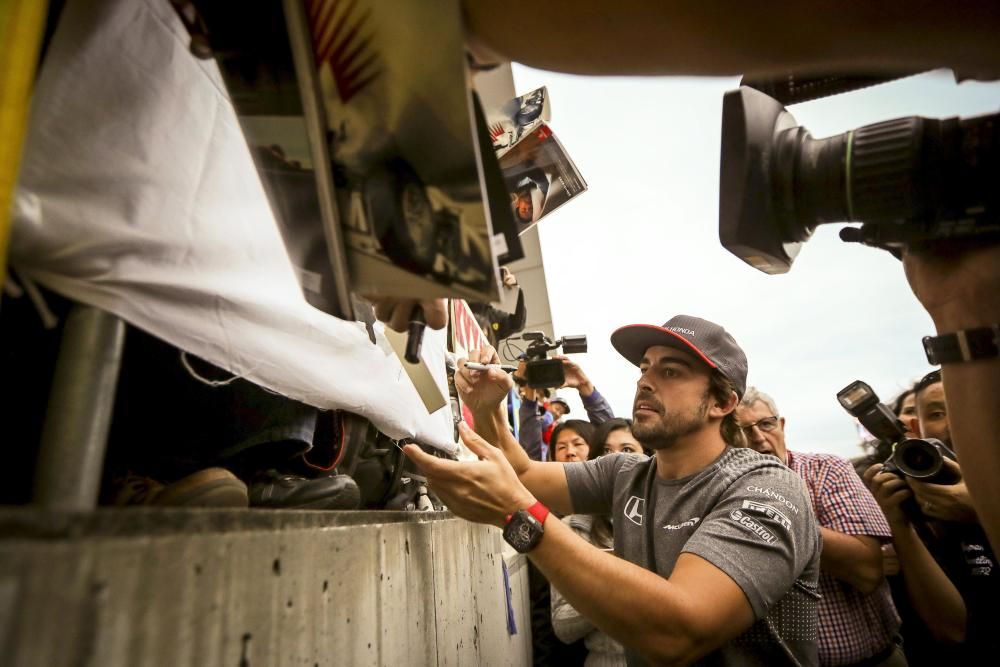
858, 623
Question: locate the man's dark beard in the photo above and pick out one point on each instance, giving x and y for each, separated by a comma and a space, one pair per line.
671, 426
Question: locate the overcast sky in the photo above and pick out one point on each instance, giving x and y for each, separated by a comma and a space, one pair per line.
642, 245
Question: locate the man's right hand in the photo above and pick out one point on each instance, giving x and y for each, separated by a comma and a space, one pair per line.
482, 391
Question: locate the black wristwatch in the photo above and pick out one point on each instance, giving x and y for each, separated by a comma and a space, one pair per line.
525, 528
964, 345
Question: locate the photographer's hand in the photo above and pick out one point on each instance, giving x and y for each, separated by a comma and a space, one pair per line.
575, 377
933, 596
947, 502
890, 491
959, 285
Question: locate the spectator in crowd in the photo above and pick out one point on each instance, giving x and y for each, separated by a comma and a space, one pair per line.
572, 440
904, 405
858, 624
611, 437
558, 407
534, 422
615, 437
914, 635
691, 519
947, 564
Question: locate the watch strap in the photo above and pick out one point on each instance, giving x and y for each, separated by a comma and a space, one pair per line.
538, 510
963, 345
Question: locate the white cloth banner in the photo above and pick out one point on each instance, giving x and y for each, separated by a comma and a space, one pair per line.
138, 195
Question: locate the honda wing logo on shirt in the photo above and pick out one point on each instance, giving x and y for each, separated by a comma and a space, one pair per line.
634, 509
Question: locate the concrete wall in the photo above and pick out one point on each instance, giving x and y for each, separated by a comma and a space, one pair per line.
256, 589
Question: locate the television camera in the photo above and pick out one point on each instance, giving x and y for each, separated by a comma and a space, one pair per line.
541, 372
911, 181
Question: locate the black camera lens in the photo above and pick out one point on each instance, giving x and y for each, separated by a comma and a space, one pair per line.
918, 458
908, 179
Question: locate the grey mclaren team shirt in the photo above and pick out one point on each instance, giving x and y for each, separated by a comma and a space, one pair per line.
746, 513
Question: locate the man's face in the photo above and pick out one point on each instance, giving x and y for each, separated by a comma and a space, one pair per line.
932, 414
558, 410
570, 446
671, 397
621, 440
759, 437
522, 205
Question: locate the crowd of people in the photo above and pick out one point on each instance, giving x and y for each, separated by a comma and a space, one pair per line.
693, 532
729, 548
690, 531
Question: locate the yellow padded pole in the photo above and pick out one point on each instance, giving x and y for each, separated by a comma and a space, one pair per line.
22, 23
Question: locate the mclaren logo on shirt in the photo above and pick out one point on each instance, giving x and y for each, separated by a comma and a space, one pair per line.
634, 509
747, 522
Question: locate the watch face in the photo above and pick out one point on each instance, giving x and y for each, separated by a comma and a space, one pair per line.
523, 531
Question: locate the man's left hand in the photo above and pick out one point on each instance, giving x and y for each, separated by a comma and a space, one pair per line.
946, 502
484, 491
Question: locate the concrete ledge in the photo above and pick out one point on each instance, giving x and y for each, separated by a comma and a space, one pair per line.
256, 588
35, 523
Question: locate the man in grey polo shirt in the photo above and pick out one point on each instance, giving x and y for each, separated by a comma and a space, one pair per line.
721, 543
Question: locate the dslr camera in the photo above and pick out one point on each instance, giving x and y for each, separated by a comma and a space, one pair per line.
919, 458
541, 372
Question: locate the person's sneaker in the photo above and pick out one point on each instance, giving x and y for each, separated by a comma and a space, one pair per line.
276, 490
211, 487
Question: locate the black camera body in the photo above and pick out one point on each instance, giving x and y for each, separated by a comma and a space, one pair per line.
541, 372
919, 458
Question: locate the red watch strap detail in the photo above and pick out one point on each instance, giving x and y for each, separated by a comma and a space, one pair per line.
538, 510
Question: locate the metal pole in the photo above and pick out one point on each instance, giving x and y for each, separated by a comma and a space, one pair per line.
81, 401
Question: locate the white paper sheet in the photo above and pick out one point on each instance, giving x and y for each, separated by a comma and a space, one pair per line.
138, 195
